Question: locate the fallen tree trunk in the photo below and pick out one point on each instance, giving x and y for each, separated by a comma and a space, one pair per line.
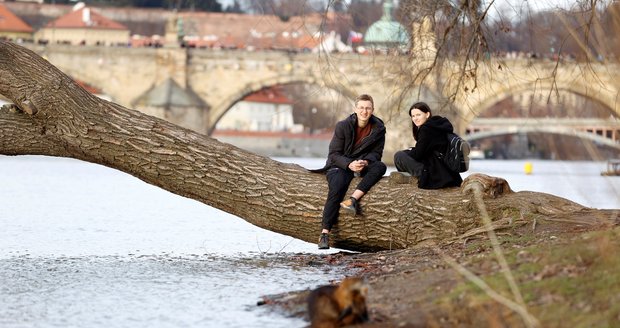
54, 116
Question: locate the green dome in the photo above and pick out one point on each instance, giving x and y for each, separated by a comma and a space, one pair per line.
387, 32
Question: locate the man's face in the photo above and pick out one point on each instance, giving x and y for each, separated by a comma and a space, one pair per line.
364, 110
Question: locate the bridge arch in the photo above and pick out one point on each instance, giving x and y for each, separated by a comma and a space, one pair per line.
220, 109
580, 88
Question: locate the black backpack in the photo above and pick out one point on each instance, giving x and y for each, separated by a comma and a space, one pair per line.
456, 156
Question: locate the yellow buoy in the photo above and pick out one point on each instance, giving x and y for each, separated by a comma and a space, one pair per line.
528, 167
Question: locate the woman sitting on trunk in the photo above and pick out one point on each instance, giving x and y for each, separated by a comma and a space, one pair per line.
423, 161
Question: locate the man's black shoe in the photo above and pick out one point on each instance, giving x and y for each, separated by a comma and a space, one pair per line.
352, 205
324, 241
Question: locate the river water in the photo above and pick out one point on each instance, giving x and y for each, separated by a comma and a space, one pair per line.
82, 245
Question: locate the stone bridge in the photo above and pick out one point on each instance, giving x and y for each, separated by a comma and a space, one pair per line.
221, 78
603, 131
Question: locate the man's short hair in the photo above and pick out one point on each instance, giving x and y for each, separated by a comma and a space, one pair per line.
364, 97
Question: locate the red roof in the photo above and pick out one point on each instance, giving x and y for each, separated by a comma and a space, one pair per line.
11, 23
86, 18
269, 95
88, 87
257, 31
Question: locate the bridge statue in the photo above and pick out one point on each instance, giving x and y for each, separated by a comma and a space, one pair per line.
173, 31
424, 39
54, 116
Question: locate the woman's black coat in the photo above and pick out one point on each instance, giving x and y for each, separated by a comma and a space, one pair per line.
432, 139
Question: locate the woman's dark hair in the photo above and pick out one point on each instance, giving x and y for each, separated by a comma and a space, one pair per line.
423, 107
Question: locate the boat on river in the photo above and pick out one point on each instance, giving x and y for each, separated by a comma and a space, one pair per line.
613, 167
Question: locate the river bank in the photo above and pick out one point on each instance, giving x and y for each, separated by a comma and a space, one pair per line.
566, 276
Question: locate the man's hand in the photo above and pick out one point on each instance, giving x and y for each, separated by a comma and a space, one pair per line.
358, 165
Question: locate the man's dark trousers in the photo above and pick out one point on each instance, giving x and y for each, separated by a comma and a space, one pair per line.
338, 181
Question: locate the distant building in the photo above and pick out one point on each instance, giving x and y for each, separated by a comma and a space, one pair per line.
250, 32
13, 27
331, 43
387, 34
84, 26
267, 110
157, 27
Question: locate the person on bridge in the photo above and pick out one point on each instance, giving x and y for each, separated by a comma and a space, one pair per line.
430, 133
355, 150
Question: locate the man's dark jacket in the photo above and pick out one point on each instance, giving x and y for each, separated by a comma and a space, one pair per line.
342, 150
432, 138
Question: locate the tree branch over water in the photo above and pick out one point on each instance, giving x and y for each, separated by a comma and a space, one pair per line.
53, 116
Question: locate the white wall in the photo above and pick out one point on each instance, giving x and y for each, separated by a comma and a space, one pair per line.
254, 116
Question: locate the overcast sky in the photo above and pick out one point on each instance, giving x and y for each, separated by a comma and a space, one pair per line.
514, 8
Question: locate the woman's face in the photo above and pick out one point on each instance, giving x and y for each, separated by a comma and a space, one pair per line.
419, 117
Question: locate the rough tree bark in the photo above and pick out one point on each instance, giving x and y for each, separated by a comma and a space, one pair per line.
54, 116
